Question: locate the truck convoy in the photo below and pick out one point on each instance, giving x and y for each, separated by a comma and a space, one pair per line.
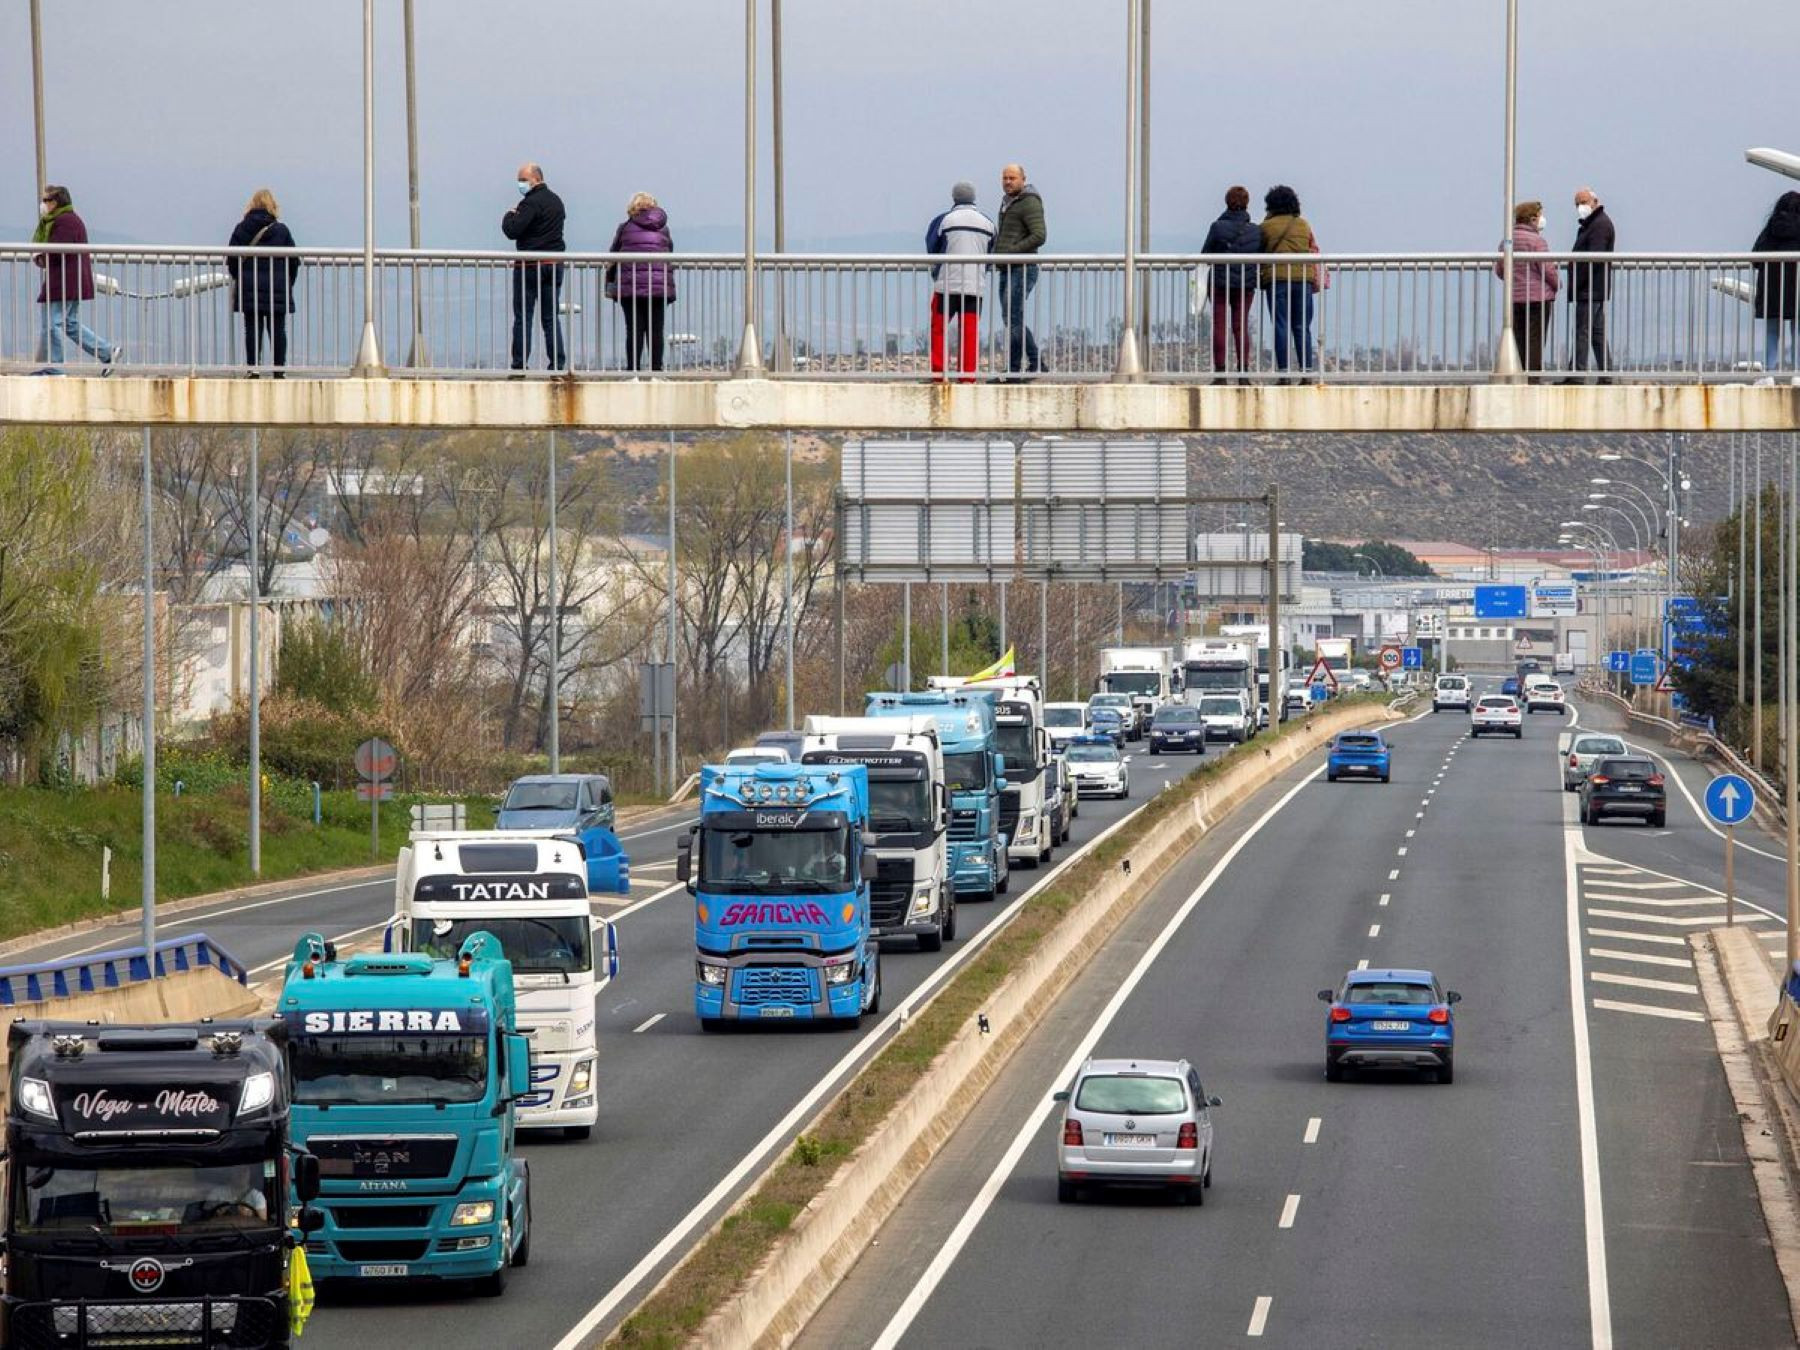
909, 814
405, 1070
1211, 667
148, 1198
1273, 705
975, 779
780, 866
529, 889
1145, 673
1025, 750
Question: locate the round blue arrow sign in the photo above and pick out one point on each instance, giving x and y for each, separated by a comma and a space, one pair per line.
1730, 799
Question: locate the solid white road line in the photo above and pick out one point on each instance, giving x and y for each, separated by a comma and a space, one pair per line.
1644, 885
1312, 1131
1674, 921
647, 1025
1637, 937
1649, 1010
1640, 982
1259, 1315
1645, 958
1659, 901
959, 1236
1288, 1210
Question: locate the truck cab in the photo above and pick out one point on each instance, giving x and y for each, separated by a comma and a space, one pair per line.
528, 889
1142, 673
1211, 667
779, 866
975, 776
909, 815
405, 1069
1025, 748
148, 1185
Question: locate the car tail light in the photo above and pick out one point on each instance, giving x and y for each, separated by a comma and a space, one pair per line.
1339, 1013
1574, 761
1655, 780
1439, 1015
1598, 778
1072, 1133
1189, 1136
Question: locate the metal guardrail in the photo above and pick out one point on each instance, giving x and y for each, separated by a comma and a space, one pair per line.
97, 971
1383, 318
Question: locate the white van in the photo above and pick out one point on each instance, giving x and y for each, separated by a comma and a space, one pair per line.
1450, 691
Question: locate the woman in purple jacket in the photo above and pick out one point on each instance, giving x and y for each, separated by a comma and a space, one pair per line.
1534, 285
644, 290
68, 280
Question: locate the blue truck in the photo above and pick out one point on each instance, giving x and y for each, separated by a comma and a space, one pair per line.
405, 1070
974, 772
780, 867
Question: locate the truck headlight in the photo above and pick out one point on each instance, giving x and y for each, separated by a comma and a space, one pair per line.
34, 1096
707, 972
472, 1212
259, 1091
581, 1078
841, 971
1028, 820
923, 899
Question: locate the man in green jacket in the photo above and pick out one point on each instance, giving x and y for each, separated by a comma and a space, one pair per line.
1020, 230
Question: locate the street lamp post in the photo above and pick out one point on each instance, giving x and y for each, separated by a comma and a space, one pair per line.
368, 351
1130, 368
253, 528
37, 95
750, 361
1506, 361
149, 730
1637, 542
554, 680
417, 356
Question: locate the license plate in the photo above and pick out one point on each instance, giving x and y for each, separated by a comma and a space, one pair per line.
1392, 1026
372, 1272
1130, 1140
1629, 787
777, 1012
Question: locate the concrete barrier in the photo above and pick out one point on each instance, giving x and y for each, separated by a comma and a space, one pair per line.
824, 1241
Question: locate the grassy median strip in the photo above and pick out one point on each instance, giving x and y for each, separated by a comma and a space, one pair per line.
720, 1264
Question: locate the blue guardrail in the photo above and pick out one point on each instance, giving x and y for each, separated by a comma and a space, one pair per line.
114, 970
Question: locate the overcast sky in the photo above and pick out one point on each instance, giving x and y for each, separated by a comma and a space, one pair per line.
1386, 116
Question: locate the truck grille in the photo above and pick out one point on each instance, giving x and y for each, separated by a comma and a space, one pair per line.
890, 892
366, 1158
209, 1324
380, 1216
1009, 814
384, 1249
757, 985
965, 826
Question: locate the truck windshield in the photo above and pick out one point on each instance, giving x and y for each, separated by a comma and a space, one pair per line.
1221, 707
114, 1200
540, 797
1064, 717
399, 1070
1201, 678
1144, 682
557, 945
898, 807
750, 862
966, 772
1014, 742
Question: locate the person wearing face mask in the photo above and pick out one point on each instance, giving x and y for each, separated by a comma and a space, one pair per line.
1590, 283
535, 225
1534, 284
68, 280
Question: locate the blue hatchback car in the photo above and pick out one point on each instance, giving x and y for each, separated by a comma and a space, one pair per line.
1510, 685
1359, 754
1390, 1019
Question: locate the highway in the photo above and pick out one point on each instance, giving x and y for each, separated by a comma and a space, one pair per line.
1583, 1182
686, 1120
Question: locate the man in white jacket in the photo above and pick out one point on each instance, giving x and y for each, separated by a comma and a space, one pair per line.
962, 232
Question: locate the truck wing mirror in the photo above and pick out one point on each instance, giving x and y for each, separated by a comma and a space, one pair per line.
684, 857
871, 865
518, 1066
999, 765
306, 1176
311, 1220
609, 948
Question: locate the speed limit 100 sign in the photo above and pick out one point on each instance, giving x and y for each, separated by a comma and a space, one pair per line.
1390, 658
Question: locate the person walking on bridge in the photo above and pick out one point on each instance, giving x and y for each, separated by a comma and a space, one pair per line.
535, 225
1233, 284
68, 280
1534, 284
262, 289
961, 232
1590, 283
644, 290
1287, 286
1778, 284
1020, 230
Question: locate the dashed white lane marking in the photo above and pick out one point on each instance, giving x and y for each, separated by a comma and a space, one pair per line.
1385, 897
1411, 833
1649, 1010
647, 1025
1637, 937
1312, 1130
1418, 815
1363, 964
1641, 982
1289, 1209
1259, 1315
1424, 801
1400, 852
1394, 875
1642, 958
1374, 930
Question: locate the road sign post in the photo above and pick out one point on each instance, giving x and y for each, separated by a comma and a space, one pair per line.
375, 764
1729, 800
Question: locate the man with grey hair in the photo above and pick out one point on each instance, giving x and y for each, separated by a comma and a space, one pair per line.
535, 225
1590, 283
961, 232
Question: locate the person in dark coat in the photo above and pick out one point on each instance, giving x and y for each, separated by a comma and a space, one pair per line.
644, 290
262, 289
1020, 229
1590, 283
1233, 284
68, 280
1778, 283
535, 225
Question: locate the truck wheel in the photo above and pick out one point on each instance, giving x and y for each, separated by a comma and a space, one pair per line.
874, 1007
574, 1132
522, 1255
494, 1285
932, 941
714, 1024
949, 929
1001, 886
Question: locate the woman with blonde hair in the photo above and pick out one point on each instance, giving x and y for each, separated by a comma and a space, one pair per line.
644, 290
262, 289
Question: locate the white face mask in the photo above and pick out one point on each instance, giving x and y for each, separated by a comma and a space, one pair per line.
1583, 211
1538, 223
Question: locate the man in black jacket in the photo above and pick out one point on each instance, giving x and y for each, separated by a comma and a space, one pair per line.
1590, 283
536, 226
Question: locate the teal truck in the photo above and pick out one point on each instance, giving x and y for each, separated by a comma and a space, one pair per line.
974, 773
405, 1071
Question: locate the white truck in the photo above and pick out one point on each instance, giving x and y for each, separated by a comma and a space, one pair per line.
909, 815
1218, 665
1024, 742
1143, 673
529, 889
1336, 653
1273, 702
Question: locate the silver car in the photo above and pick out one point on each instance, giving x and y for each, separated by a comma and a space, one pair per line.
1584, 749
1136, 1122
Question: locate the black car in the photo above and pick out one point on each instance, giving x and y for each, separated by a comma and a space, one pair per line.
1055, 802
1177, 726
1624, 785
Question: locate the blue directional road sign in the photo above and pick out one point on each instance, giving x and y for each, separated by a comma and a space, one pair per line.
1501, 602
1643, 667
1412, 658
1730, 799
1618, 662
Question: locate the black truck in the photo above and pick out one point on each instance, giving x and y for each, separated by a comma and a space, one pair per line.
148, 1179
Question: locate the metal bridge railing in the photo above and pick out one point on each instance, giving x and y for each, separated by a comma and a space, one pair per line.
1336, 318
99, 971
